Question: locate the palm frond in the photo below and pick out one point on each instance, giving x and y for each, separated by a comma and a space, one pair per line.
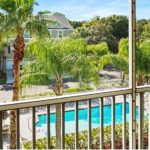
56, 58
117, 61
37, 78
8, 6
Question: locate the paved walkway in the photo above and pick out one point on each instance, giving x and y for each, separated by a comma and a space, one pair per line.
6, 96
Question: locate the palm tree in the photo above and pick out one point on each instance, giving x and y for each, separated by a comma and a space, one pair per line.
120, 60
143, 62
18, 19
96, 52
55, 59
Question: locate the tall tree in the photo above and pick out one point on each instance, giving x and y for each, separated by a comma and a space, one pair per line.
120, 60
143, 62
18, 19
54, 59
96, 52
109, 29
119, 26
140, 28
145, 35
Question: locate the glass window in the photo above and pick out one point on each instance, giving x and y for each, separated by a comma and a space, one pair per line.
60, 34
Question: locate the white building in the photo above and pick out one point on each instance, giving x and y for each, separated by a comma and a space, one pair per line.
61, 28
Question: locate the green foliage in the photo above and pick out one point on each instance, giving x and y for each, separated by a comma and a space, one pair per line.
2, 77
44, 12
58, 14
123, 48
140, 28
55, 58
94, 33
98, 49
76, 24
120, 60
66, 91
119, 26
116, 61
19, 19
143, 57
82, 73
38, 95
110, 29
78, 89
95, 133
146, 32
2, 81
3, 44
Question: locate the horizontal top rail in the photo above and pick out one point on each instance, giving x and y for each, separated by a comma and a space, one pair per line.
68, 98
62, 99
145, 88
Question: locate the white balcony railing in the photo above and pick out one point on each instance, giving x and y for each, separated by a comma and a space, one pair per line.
76, 98
132, 91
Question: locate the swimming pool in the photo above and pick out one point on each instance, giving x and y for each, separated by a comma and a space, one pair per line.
82, 115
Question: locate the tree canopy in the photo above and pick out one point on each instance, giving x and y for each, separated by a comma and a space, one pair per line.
109, 29
54, 59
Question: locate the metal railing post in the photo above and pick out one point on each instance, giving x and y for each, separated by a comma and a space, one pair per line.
113, 123
101, 123
141, 121
89, 124
149, 125
1, 129
48, 127
76, 125
124, 123
132, 72
63, 126
33, 129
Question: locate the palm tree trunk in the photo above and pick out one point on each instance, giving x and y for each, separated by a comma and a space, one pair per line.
18, 56
58, 89
140, 79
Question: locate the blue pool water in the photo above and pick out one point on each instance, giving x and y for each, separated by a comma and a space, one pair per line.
82, 115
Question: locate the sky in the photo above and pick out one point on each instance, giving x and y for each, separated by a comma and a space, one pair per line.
86, 9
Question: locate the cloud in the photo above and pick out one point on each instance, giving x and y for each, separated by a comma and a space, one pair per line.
87, 9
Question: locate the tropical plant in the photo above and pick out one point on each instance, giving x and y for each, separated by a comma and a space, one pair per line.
95, 52
145, 35
120, 60
18, 19
109, 29
95, 138
140, 25
99, 49
55, 59
143, 62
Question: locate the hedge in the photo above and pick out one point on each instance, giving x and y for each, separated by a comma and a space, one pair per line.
95, 136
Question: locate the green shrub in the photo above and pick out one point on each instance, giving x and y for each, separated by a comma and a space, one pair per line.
2, 77
2, 81
77, 89
38, 95
95, 136
69, 90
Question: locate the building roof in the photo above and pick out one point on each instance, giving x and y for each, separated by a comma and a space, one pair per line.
59, 18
